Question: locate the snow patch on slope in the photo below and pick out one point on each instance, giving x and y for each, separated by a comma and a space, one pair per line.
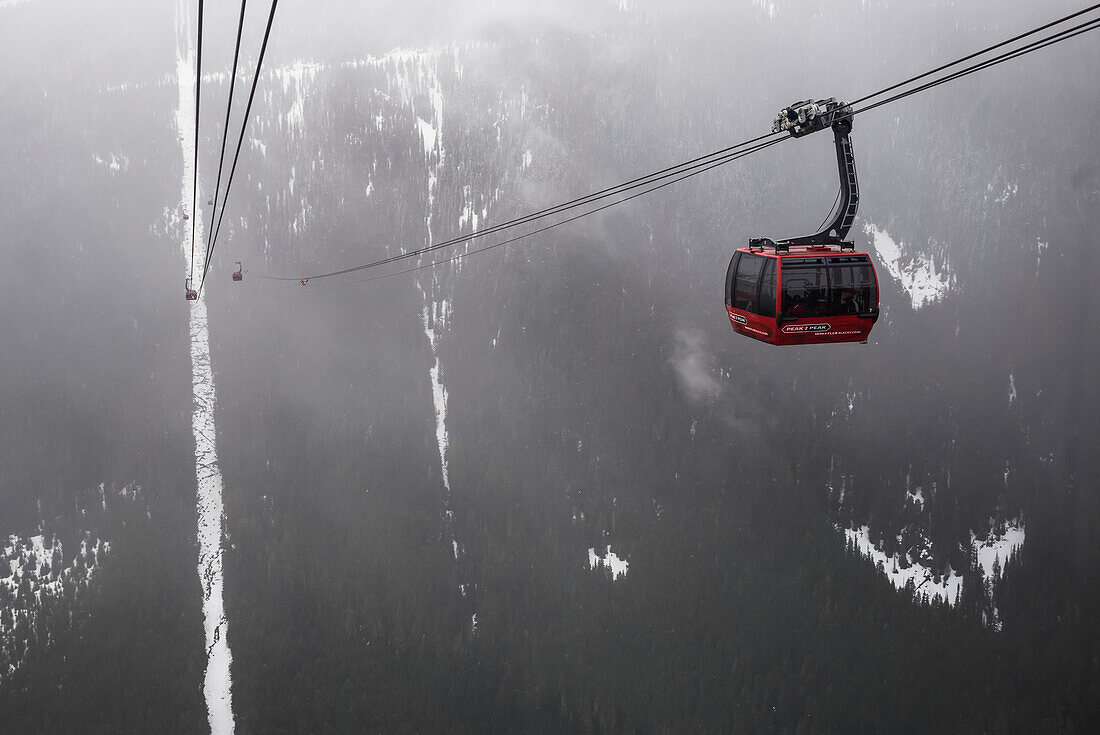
916, 497
114, 164
918, 276
997, 550
901, 571
34, 577
993, 555
1009, 191
608, 559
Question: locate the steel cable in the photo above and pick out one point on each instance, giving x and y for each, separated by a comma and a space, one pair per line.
225, 132
240, 140
195, 169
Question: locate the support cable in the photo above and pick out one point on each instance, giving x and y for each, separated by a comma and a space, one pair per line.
225, 131
985, 50
551, 226
724, 155
980, 66
240, 140
195, 168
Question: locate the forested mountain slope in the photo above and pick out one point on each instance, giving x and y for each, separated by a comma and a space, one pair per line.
416, 468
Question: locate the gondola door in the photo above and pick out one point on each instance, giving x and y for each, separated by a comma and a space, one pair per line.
751, 295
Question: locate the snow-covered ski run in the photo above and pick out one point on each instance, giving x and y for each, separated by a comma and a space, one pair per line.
217, 684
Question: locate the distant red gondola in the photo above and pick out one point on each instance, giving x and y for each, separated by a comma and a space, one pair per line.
238, 275
192, 294
808, 290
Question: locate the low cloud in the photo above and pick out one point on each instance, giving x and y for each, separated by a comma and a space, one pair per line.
691, 359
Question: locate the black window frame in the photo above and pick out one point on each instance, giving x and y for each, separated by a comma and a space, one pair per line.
790, 268
730, 275
767, 305
753, 305
820, 304
864, 303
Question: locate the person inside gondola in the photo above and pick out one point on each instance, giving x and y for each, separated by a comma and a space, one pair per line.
848, 303
797, 308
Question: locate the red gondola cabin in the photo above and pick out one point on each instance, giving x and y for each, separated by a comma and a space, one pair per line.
815, 289
806, 296
238, 275
192, 294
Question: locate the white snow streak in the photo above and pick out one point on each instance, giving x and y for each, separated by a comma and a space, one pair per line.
412, 75
436, 310
768, 7
1040, 248
415, 72
436, 313
298, 75
428, 134
217, 685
